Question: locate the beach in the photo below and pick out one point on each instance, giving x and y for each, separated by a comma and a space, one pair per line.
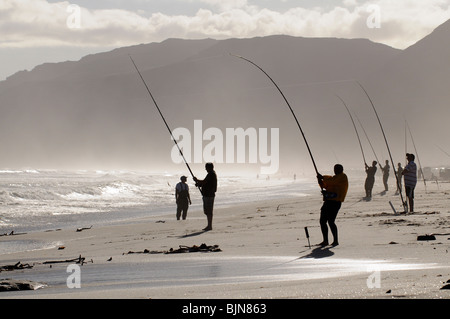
261, 251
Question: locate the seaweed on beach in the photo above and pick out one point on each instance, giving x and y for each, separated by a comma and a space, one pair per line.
17, 266
78, 260
182, 249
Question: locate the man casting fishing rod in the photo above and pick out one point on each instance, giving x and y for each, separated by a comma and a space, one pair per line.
335, 189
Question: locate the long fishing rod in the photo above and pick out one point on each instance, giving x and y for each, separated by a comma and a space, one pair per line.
387, 145
442, 150
165, 122
354, 126
290, 108
417, 154
368, 139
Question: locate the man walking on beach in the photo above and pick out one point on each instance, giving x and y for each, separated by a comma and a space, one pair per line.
370, 179
335, 189
182, 198
209, 188
385, 171
410, 177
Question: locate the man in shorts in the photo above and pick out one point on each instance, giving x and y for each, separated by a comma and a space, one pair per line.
208, 188
410, 178
334, 192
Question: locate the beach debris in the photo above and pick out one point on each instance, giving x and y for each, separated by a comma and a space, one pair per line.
78, 260
193, 249
12, 233
160, 221
61, 247
15, 285
50, 230
182, 249
426, 237
16, 266
83, 228
389, 291
145, 251
110, 258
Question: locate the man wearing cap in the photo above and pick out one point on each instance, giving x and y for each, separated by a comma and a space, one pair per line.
182, 198
410, 177
209, 188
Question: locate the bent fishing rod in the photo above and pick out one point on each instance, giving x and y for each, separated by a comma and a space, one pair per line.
387, 145
290, 108
165, 122
354, 126
368, 139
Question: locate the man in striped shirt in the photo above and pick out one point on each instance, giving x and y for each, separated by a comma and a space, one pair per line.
410, 178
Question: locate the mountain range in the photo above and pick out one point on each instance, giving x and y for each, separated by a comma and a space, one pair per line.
96, 113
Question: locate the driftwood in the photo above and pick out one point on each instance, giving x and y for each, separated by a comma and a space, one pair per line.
182, 249
79, 260
17, 266
202, 248
426, 237
12, 233
15, 285
83, 228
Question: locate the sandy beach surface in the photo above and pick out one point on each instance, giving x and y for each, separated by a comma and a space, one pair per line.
264, 253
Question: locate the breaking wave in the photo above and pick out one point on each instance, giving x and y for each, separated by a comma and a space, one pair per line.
38, 199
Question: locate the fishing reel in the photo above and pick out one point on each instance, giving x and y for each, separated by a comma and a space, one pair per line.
328, 195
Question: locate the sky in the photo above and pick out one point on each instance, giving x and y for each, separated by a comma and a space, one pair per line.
36, 31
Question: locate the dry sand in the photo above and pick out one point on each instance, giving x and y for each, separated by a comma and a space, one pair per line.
265, 253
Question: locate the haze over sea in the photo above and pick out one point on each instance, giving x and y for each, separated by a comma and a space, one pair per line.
40, 200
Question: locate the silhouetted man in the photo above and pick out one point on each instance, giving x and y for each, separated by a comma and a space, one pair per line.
182, 198
410, 177
370, 179
209, 188
385, 171
335, 189
399, 178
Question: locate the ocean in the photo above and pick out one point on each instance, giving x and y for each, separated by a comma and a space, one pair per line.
40, 200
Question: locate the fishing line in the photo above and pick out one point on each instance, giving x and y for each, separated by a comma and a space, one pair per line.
354, 126
165, 122
442, 150
387, 145
368, 139
290, 108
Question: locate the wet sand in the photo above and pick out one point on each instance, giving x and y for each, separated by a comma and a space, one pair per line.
264, 253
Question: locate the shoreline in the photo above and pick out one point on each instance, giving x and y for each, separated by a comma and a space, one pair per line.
267, 236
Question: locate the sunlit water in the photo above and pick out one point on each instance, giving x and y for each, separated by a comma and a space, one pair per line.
33, 200
204, 270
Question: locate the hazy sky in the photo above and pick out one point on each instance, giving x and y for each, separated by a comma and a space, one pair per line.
37, 31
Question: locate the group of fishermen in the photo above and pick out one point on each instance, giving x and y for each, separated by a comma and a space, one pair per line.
334, 190
409, 174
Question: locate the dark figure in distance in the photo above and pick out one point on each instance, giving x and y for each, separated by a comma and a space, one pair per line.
399, 178
334, 192
182, 198
209, 188
370, 179
385, 171
410, 177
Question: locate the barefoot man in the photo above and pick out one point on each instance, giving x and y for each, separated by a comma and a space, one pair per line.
209, 188
335, 189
